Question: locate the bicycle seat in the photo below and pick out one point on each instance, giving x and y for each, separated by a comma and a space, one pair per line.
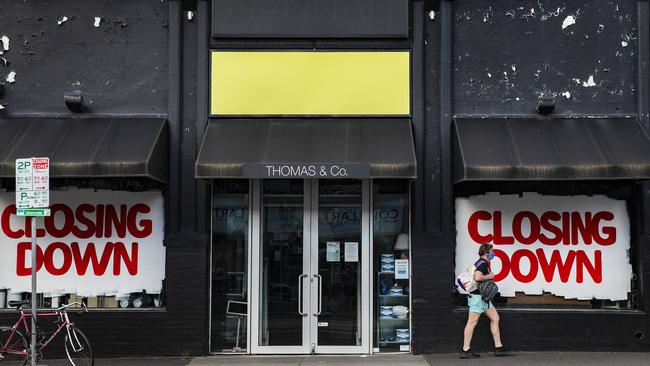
19, 303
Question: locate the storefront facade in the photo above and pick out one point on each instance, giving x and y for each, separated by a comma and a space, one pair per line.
318, 231
308, 177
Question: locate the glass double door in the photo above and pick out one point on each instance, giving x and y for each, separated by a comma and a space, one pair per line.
310, 267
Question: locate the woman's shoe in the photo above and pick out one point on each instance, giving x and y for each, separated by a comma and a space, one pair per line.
469, 354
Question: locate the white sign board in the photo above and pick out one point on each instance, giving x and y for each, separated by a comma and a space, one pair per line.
32, 182
401, 269
351, 251
94, 243
333, 253
576, 247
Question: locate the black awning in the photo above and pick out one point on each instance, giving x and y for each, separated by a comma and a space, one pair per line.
88, 147
365, 148
550, 149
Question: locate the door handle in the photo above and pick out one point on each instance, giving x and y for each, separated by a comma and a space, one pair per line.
320, 293
300, 282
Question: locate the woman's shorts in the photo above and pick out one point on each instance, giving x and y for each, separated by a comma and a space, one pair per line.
476, 304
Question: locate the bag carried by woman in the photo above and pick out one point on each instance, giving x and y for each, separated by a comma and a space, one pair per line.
488, 290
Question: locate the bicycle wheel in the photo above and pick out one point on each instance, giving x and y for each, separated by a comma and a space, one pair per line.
18, 344
78, 349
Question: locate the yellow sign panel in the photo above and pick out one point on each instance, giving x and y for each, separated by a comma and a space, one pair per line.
310, 83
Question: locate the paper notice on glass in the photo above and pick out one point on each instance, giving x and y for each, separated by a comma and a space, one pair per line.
333, 251
401, 269
351, 251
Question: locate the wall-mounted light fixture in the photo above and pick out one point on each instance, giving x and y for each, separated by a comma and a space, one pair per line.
74, 101
545, 105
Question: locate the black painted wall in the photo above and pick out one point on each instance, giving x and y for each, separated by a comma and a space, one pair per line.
148, 58
142, 60
509, 53
121, 67
486, 58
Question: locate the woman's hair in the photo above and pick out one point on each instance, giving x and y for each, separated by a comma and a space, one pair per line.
484, 249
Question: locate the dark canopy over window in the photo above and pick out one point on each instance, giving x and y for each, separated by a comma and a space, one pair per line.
87, 147
550, 149
367, 148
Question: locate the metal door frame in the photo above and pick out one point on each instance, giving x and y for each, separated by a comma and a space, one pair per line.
310, 290
364, 327
255, 266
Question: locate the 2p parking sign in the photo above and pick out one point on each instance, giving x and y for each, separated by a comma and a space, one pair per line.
32, 185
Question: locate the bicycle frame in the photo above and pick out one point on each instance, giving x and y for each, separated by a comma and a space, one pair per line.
22, 322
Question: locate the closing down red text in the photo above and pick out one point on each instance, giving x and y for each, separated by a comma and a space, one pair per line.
551, 229
99, 226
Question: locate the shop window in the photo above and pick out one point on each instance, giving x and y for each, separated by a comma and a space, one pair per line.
102, 247
230, 200
391, 259
562, 245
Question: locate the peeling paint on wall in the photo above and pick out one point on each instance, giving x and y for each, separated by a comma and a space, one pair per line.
589, 83
550, 14
11, 78
5, 44
568, 21
582, 52
128, 51
530, 14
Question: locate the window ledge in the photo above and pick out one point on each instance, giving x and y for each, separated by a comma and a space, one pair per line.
94, 310
560, 310
128, 310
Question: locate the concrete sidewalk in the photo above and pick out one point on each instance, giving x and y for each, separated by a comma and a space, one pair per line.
546, 358
519, 359
377, 360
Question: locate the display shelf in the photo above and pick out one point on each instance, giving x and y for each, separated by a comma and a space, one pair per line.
396, 296
386, 327
396, 320
391, 342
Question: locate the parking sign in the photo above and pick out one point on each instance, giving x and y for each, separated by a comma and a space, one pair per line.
32, 184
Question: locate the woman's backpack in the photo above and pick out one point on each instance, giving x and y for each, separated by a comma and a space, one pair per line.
488, 290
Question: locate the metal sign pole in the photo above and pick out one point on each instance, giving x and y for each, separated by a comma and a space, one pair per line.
32, 199
34, 295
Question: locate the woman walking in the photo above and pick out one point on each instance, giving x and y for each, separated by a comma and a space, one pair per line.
478, 306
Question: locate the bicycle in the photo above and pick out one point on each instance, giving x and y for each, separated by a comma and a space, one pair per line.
16, 345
